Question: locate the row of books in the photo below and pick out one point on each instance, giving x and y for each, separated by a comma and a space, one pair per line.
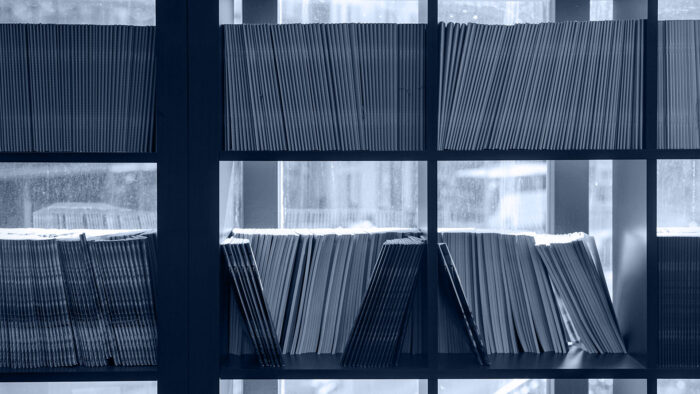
530, 293
324, 87
92, 216
679, 85
77, 88
679, 299
571, 85
77, 298
314, 282
380, 325
499, 293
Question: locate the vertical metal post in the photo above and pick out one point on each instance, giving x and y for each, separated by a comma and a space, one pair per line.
651, 49
568, 386
432, 92
629, 386
629, 9
173, 186
261, 386
204, 144
630, 220
260, 194
260, 11
572, 10
260, 179
640, 9
567, 195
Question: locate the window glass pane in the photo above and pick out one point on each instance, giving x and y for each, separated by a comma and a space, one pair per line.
318, 386
494, 195
79, 388
349, 386
78, 195
230, 12
95, 12
679, 9
349, 194
493, 386
495, 12
600, 386
678, 386
600, 189
601, 10
349, 11
678, 189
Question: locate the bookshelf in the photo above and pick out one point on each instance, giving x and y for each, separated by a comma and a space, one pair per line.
191, 285
639, 169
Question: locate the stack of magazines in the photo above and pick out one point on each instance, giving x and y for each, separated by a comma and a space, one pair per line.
574, 268
77, 88
73, 298
248, 289
324, 87
313, 282
531, 293
572, 85
376, 336
679, 85
679, 298
452, 292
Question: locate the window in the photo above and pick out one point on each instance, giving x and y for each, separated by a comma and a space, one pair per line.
349, 194
78, 195
494, 195
679, 9
678, 188
230, 12
600, 386
678, 386
601, 10
95, 12
349, 11
668, 9
80, 388
495, 12
319, 386
319, 194
493, 386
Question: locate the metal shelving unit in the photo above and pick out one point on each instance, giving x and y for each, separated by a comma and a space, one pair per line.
639, 364
191, 285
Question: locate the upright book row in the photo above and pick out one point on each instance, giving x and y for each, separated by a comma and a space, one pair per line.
68, 299
502, 293
572, 85
380, 326
324, 87
77, 88
679, 85
531, 294
313, 283
679, 300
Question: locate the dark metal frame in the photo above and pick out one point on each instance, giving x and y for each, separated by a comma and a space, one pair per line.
191, 290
